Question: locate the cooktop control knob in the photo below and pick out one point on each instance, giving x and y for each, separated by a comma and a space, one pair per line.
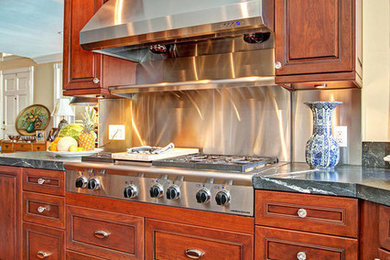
173, 192
203, 196
223, 197
81, 182
94, 184
156, 191
130, 191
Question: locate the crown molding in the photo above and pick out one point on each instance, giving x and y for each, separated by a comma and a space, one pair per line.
57, 57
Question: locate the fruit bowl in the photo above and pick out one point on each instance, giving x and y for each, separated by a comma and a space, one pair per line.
74, 154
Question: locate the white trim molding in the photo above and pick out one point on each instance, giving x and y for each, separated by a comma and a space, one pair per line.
57, 57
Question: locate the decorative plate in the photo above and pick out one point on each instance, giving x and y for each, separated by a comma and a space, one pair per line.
75, 154
31, 119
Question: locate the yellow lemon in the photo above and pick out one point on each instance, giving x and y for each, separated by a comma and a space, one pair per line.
80, 149
73, 148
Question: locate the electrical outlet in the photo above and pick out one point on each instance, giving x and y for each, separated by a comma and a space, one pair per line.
116, 132
341, 135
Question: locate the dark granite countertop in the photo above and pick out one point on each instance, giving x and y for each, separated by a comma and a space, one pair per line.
39, 160
372, 184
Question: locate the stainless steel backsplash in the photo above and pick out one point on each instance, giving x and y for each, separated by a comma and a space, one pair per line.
269, 121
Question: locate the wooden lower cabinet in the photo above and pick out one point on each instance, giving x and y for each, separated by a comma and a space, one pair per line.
384, 227
384, 254
10, 213
42, 242
104, 234
280, 244
166, 240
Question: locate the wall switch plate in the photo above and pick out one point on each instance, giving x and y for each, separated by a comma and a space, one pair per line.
116, 132
341, 135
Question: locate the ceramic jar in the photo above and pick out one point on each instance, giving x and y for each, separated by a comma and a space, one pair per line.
322, 149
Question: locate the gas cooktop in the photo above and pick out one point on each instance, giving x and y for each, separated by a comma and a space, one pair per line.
217, 162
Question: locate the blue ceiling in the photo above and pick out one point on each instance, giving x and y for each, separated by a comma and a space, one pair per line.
30, 28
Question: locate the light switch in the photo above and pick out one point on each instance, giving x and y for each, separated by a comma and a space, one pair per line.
341, 135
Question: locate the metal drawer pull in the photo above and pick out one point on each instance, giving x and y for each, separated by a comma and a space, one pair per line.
101, 234
302, 213
194, 253
41, 209
41, 181
301, 256
43, 254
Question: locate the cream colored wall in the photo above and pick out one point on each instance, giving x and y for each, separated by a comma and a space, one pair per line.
376, 71
43, 79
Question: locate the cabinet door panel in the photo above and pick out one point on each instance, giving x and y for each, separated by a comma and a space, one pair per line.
10, 213
314, 36
384, 227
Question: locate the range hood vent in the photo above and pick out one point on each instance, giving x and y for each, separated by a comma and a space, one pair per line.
186, 44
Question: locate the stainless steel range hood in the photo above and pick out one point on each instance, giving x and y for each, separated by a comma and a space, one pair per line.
186, 44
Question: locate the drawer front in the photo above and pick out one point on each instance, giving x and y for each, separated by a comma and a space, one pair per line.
104, 234
7, 147
165, 240
44, 181
279, 244
39, 147
384, 227
23, 147
42, 242
44, 209
314, 213
383, 254
70, 255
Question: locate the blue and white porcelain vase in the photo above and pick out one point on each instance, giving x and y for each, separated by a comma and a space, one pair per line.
322, 149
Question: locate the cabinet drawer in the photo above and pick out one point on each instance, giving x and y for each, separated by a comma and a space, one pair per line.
7, 147
314, 213
384, 227
42, 242
383, 254
44, 209
39, 147
279, 244
70, 255
45, 181
165, 240
23, 147
104, 234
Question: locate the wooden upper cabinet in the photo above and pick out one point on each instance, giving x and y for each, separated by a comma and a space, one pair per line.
317, 40
86, 72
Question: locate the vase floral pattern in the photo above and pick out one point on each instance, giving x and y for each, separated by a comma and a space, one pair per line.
322, 149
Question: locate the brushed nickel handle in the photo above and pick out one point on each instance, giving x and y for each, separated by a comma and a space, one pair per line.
96, 80
302, 213
42, 254
101, 234
301, 256
41, 209
278, 65
194, 253
41, 181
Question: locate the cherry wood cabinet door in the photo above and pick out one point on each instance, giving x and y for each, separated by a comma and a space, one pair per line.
166, 240
10, 213
384, 227
383, 254
314, 36
82, 68
279, 244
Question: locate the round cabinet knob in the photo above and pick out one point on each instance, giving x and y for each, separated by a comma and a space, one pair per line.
223, 197
94, 184
301, 256
81, 182
173, 192
203, 196
278, 65
302, 213
96, 80
130, 192
156, 191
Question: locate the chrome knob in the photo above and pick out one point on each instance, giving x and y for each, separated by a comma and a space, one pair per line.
156, 191
301, 256
41, 181
131, 191
94, 184
41, 209
81, 182
173, 192
203, 196
223, 197
96, 80
278, 65
302, 213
